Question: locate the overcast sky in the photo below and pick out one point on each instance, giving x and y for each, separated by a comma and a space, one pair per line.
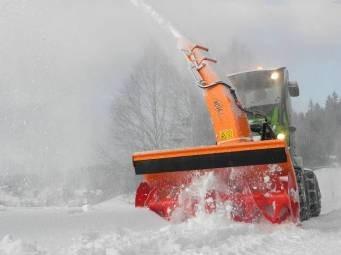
62, 60
303, 35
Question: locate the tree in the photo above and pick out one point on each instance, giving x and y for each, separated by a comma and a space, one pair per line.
319, 132
153, 109
157, 108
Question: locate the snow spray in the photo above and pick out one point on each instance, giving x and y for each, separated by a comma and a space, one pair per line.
157, 17
202, 184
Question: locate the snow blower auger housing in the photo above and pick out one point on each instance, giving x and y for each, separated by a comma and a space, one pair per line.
256, 178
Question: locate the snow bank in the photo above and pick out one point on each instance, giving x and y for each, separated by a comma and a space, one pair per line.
329, 181
9, 246
212, 235
49, 197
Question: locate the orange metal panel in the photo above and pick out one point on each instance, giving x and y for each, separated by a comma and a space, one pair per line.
213, 149
229, 122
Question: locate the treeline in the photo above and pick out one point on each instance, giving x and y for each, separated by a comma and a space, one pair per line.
318, 133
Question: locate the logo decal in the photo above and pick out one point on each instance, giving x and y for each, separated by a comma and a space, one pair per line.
226, 134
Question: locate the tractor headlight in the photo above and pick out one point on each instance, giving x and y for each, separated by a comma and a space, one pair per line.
281, 136
274, 76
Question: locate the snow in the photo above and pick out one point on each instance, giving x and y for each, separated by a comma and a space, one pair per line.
157, 17
329, 181
17, 247
116, 227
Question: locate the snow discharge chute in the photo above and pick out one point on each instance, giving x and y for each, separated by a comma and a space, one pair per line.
256, 179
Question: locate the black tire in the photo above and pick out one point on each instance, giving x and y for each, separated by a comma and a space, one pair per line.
304, 203
313, 193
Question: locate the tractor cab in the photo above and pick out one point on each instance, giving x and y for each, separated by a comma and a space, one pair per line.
267, 93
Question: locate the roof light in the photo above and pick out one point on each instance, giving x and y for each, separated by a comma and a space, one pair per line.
274, 76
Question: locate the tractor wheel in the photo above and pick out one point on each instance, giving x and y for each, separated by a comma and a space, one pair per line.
313, 193
304, 204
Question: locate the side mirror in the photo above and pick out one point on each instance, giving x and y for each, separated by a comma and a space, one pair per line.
292, 129
294, 89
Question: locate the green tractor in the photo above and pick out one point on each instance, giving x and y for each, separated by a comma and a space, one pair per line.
266, 95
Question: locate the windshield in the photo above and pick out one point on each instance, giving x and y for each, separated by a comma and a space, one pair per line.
259, 89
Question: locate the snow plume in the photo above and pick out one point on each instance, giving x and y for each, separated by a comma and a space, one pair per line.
196, 193
203, 195
157, 17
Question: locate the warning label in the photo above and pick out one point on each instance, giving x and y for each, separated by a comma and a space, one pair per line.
226, 134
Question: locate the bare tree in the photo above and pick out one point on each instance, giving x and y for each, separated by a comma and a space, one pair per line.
146, 108
157, 108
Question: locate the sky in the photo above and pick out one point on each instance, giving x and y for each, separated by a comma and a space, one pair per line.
62, 61
303, 35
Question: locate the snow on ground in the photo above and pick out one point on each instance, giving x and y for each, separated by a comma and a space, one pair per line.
10, 246
116, 227
329, 181
55, 228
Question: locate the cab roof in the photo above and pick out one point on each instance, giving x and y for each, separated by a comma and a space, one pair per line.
257, 70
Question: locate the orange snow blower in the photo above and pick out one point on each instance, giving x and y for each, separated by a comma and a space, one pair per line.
254, 179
